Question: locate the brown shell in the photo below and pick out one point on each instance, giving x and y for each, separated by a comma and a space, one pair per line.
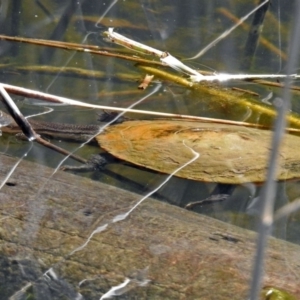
228, 153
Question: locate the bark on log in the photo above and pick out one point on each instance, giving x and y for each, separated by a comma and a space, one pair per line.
189, 256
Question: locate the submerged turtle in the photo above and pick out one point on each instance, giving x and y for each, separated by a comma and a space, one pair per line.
227, 153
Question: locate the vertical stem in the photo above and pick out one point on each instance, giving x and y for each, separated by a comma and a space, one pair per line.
253, 36
60, 28
15, 22
268, 193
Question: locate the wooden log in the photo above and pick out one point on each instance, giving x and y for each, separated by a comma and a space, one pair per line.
44, 218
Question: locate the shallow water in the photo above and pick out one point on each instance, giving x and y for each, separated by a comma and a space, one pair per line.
179, 28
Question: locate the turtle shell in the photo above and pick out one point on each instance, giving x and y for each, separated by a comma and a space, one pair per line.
227, 153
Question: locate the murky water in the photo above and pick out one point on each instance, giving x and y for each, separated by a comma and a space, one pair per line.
180, 28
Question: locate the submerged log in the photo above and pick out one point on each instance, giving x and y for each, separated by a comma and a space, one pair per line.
46, 249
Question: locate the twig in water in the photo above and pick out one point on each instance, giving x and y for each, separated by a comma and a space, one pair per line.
146, 81
164, 57
294, 120
228, 31
275, 84
271, 47
79, 48
24, 125
209, 200
174, 63
27, 129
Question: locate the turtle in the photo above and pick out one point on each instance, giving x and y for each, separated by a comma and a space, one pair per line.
228, 154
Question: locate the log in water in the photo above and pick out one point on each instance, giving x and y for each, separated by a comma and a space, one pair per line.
182, 254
